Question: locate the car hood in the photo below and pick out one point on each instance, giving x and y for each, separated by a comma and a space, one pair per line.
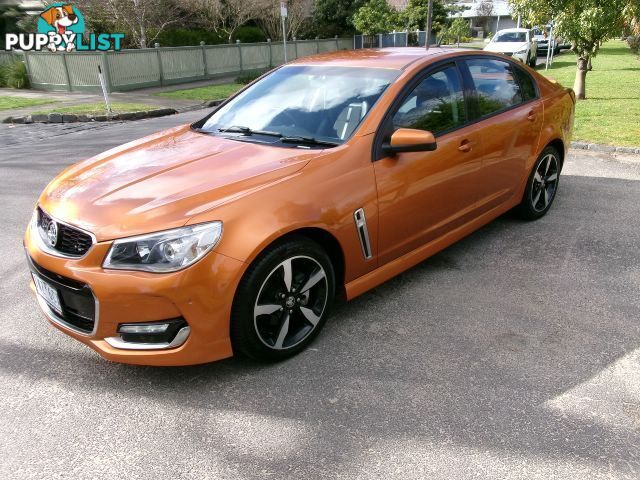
161, 181
500, 47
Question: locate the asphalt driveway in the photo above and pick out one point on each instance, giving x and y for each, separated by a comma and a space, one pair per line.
513, 354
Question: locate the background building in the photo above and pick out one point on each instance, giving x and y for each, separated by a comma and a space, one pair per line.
486, 16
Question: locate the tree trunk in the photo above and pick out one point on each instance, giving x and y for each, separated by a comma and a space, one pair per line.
143, 36
581, 76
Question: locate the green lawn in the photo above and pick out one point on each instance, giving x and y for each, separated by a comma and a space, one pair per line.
211, 92
611, 112
99, 108
9, 102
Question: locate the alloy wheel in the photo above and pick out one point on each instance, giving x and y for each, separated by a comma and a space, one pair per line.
291, 302
545, 183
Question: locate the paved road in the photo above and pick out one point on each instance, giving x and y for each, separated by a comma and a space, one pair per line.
513, 354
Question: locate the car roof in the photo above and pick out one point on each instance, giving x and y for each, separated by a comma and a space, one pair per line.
392, 58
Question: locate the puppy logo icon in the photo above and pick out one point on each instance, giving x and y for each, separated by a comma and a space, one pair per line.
62, 22
61, 28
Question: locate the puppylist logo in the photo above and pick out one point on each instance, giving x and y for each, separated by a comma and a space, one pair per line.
61, 28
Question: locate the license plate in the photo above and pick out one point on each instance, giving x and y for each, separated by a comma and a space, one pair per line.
48, 294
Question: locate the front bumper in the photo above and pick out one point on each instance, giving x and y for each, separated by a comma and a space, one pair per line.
202, 295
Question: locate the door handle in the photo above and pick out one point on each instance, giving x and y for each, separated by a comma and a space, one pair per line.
532, 116
465, 146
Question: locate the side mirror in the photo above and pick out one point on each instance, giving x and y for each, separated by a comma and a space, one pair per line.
410, 140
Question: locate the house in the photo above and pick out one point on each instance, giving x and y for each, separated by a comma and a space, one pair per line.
487, 16
398, 4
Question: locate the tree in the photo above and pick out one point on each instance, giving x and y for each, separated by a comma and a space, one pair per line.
376, 16
414, 17
484, 11
269, 19
587, 24
631, 17
224, 16
335, 15
459, 28
141, 20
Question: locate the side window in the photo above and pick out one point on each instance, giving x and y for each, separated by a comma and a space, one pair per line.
527, 87
495, 85
436, 104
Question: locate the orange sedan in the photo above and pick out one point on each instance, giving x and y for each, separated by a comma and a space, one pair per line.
324, 178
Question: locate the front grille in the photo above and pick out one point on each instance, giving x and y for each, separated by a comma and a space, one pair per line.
78, 303
69, 240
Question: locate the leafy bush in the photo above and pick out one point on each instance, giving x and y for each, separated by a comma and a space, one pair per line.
180, 37
14, 75
248, 77
250, 35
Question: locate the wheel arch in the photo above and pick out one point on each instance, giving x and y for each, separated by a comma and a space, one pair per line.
327, 241
558, 144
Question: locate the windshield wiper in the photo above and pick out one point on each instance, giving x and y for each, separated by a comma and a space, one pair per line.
307, 141
248, 131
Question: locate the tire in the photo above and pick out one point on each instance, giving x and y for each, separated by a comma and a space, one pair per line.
275, 312
542, 185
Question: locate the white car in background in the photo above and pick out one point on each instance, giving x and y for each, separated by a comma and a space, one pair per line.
516, 42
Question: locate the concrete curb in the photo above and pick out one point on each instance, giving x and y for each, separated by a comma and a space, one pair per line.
596, 147
72, 118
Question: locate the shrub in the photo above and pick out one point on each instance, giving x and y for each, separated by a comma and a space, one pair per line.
14, 75
248, 77
249, 34
181, 37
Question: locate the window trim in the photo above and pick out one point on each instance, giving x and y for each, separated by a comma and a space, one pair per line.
468, 88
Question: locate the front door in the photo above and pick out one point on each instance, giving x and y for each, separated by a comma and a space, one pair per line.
423, 195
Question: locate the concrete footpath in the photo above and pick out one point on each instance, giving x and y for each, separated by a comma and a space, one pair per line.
146, 96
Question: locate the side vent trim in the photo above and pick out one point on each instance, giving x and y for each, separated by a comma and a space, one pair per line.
363, 233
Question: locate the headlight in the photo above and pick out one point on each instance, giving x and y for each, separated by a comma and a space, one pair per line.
166, 251
520, 52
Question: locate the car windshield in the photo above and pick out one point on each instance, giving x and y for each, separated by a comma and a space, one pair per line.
303, 104
511, 37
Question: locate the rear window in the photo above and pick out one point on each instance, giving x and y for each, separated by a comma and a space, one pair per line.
496, 87
527, 86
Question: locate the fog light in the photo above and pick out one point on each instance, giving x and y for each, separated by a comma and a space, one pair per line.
143, 328
163, 332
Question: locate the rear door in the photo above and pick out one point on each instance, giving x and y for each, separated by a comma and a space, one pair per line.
508, 111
